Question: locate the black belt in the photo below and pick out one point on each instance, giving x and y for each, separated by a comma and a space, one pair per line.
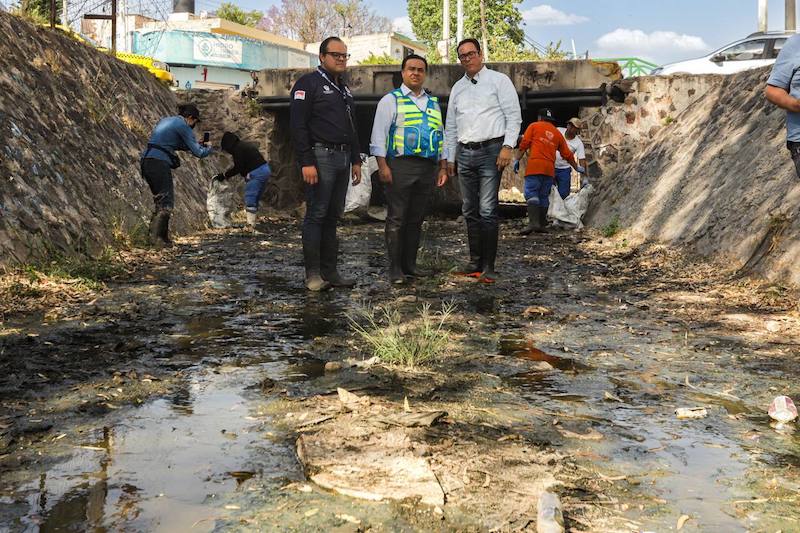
330, 146
482, 144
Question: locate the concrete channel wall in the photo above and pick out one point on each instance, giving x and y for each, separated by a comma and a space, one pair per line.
700, 161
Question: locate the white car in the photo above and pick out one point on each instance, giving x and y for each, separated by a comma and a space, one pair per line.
756, 50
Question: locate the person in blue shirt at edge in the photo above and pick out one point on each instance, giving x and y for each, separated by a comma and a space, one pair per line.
407, 141
159, 159
783, 90
325, 138
251, 165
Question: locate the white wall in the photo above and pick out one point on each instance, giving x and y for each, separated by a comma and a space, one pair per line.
360, 47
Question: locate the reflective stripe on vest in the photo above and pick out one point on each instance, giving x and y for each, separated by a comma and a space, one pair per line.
415, 132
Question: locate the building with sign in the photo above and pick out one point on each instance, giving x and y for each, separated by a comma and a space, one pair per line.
395, 45
212, 53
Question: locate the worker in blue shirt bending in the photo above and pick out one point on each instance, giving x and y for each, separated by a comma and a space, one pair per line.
171, 134
407, 141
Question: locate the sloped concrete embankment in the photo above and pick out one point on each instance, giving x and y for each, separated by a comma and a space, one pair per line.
714, 177
73, 121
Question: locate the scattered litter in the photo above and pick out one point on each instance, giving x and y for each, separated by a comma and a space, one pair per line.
406, 405
348, 518
232, 507
550, 517
592, 434
333, 366
608, 396
367, 363
349, 399
782, 409
536, 311
691, 412
311, 512
681, 521
314, 422
410, 420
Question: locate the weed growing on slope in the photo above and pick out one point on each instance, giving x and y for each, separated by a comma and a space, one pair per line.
612, 228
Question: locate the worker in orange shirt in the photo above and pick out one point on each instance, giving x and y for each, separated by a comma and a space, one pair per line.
543, 139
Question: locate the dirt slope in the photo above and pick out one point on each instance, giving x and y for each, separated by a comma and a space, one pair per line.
718, 179
72, 123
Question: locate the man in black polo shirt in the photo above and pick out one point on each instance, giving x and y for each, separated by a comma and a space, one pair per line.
326, 142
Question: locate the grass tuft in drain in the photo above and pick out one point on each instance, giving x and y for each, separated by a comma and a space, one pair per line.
405, 342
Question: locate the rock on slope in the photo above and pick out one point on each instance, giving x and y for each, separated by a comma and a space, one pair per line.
73, 121
718, 180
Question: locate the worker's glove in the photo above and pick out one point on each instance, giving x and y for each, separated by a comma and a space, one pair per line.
218, 177
516, 166
581, 170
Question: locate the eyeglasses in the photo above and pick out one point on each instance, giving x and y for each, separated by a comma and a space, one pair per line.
338, 56
466, 57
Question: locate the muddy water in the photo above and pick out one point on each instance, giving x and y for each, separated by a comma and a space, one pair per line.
240, 332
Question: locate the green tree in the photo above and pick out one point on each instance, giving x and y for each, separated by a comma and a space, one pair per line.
503, 22
38, 10
384, 59
234, 13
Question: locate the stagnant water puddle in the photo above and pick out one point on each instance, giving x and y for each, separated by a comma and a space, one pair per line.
708, 469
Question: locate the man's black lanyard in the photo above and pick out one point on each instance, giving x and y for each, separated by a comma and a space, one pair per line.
344, 94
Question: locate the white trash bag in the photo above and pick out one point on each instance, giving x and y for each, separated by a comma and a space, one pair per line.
358, 196
569, 213
221, 201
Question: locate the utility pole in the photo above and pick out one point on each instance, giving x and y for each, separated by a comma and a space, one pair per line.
64, 19
762, 16
459, 20
446, 32
114, 27
112, 17
791, 15
484, 32
52, 13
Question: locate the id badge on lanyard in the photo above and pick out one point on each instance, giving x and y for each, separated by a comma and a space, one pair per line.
344, 95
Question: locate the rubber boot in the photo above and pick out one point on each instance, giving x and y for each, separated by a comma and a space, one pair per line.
533, 219
394, 249
475, 265
408, 258
542, 215
329, 257
152, 232
160, 229
314, 281
490, 237
252, 219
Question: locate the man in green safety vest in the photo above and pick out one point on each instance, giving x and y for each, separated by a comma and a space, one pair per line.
407, 141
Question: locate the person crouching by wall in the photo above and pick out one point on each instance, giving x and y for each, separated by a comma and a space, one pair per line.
251, 165
171, 134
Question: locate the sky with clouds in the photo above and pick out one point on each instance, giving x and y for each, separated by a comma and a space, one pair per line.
660, 31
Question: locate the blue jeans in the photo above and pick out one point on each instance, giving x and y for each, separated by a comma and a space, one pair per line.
254, 187
324, 207
564, 181
537, 189
479, 180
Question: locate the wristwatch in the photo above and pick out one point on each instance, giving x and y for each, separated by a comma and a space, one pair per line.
507, 146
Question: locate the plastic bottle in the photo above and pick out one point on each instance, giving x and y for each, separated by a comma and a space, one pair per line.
550, 518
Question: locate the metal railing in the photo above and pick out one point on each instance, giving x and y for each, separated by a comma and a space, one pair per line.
632, 66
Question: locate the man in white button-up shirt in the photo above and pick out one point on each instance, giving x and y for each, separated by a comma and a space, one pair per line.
483, 123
